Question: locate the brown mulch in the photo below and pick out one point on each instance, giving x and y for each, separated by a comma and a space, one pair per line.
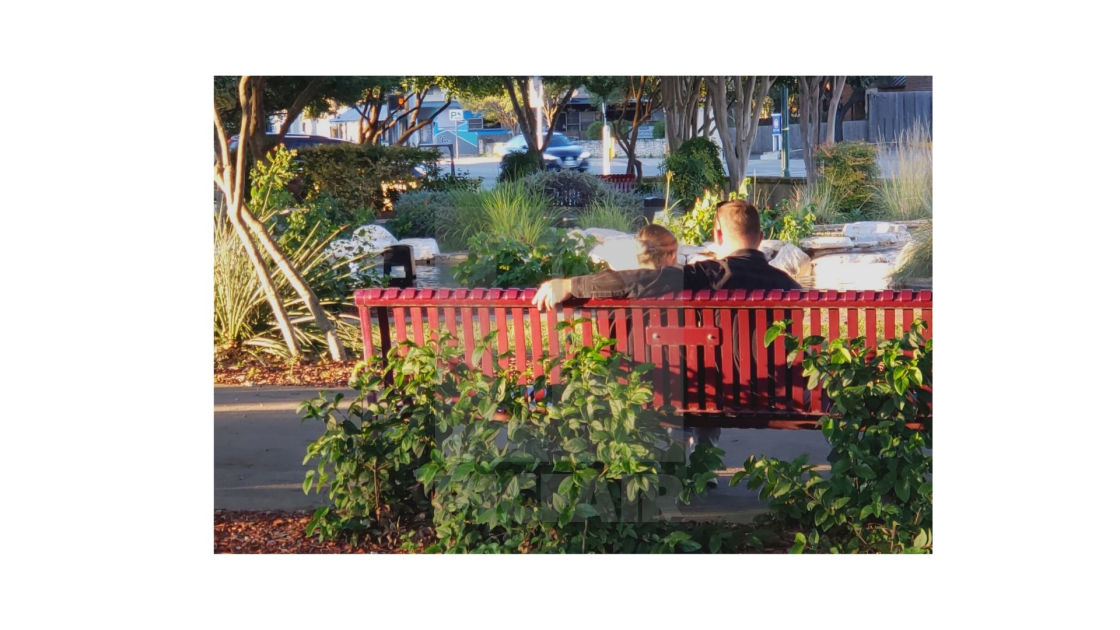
275, 531
324, 374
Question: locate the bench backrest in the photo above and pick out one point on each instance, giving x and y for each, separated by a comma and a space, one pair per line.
620, 182
708, 351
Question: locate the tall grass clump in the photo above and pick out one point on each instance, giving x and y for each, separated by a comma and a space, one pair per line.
819, 200
509, 210
610, 217
918, 264
908, 193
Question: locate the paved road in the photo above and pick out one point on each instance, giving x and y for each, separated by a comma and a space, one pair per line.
259, 445
487, 167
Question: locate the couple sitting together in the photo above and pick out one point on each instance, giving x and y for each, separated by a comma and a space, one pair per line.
735, 263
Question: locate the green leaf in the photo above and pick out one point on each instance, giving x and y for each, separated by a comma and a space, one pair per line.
308, 479
902, 489
462, 471
772, 334
575, 445
798, 543
866, 511
586, 511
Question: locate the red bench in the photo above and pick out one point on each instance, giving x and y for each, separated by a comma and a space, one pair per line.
710, 360
622, 183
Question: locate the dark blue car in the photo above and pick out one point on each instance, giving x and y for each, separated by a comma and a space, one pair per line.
561, 153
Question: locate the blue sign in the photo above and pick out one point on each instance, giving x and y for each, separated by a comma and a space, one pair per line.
777, 128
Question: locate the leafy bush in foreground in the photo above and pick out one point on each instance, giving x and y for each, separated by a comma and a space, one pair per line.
879, 496
584, 466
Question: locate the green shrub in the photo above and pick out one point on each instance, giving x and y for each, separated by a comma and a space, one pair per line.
787, 223
419, 213
243, 319
362, 179
594, 131
581, 468
461, 180
495, 260
851, 171
516, 165
659, 129
509, 210
568, 188
908, 193
694, 227
583, 474
918, 266
879, 496
695, 167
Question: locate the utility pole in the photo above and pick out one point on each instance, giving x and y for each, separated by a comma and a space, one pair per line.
785, 131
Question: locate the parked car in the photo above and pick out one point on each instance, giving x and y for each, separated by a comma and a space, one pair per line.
560, 153
295, 141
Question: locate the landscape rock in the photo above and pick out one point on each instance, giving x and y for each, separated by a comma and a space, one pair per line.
601, 235
422, 248
876, 233
619, 253
792, 260
847, 271
820, 243
771, 247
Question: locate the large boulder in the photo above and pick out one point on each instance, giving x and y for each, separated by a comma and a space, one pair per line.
847, 271
792, 260
422, 248
372, 237
822, 243
876, 233
619, 253
601, 235
771, 247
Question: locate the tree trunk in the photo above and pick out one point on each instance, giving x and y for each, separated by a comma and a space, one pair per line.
230, 179
525, 120
680, 97
260, 143
744, 111
833, 106
810, 122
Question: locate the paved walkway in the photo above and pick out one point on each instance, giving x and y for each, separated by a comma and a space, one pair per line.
260, 442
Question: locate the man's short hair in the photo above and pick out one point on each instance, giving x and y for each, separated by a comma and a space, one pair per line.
739, 217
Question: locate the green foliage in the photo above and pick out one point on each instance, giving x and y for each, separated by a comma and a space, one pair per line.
696, 166
438, 181
604, 215
568, 188
659, 129
908, 193
420, 213
495, 260
362, 179
788, 223
583, 467
818, 200
852, 173
917, 268
507, 210
242, 317
370, 449
879, 496
518, 164
694, 227
594, 131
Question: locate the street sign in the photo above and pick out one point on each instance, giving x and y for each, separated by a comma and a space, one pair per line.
455, 115
777, 128
645, 132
